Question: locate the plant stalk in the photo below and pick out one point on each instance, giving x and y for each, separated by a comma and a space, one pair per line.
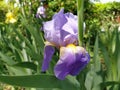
80, 5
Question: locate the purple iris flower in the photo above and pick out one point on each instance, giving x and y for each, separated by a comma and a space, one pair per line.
41, 12
61, 32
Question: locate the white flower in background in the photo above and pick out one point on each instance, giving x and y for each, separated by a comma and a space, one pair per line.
41, 11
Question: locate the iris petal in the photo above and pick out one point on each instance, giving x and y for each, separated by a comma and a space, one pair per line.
71, 25
48, 53
67, 57
60, 28
72, 60
59, 20
81, 61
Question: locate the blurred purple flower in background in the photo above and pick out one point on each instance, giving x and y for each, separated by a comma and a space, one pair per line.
41, 12
62, 32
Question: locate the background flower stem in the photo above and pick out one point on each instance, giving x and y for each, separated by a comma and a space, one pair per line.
80, 4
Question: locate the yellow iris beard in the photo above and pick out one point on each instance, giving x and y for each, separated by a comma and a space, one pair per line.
71, 46
76, 49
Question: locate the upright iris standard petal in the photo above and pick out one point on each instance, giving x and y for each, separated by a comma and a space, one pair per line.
60, 28
48, 53
59, 20
72, 60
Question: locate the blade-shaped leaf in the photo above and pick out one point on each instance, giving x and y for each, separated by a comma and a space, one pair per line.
6, 59
96, 58
28, 65
109, 83
40, 81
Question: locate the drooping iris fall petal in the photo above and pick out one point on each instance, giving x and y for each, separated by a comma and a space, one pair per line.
72, 60
48, 53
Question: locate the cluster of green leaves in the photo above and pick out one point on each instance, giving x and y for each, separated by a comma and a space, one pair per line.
100, 15
5, 7
55, 5
105, 72
21, 55
2, 12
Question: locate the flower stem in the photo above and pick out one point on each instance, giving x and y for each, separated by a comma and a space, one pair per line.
80, 4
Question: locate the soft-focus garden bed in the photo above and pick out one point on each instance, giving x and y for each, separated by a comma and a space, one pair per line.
29, 44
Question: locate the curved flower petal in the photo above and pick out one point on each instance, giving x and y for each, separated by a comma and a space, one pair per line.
71, 24
48, 53
67, 38
60, 28
67, 57
72, 60
59, 20
82, 60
